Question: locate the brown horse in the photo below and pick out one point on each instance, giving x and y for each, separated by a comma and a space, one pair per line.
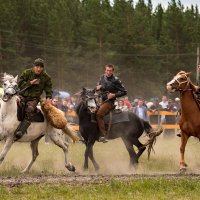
190, 113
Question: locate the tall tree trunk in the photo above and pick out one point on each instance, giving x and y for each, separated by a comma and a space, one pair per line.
1, 54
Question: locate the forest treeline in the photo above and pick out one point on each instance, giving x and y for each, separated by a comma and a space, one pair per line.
77, 38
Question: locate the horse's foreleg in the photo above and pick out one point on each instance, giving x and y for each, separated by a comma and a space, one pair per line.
91, 156
35, 153
184, 139
56, 138
87, 151
6, 148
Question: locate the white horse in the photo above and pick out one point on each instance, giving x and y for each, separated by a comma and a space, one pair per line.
9, 123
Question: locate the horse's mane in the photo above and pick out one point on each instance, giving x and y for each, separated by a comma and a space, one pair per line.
78, 107
7, 77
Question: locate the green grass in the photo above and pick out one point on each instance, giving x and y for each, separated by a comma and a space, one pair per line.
162, 188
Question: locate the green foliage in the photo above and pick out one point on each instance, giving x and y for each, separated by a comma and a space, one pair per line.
77, 38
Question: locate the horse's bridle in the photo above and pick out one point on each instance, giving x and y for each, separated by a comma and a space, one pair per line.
183, 82
90, 102
7, 95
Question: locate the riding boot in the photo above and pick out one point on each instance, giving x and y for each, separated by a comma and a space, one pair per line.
93, 118
102, 137
22, 128
102, 130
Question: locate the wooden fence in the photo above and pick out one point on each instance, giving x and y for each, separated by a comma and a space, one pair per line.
167, 119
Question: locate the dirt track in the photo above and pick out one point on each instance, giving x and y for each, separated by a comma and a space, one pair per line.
75, 179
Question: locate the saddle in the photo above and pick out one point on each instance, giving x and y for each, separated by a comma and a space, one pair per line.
116, 116
37, 117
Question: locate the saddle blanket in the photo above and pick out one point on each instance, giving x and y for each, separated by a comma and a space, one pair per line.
117, 117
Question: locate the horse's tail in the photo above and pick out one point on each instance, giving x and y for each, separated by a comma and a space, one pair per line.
152, 134
70, 133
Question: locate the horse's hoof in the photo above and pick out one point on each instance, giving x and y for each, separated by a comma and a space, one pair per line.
133, 166
70, 167
97, 169
183, 170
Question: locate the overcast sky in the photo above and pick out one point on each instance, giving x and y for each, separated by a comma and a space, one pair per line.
165, 2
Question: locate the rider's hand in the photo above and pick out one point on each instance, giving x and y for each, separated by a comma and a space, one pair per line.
98, 87
35, 81
111, 95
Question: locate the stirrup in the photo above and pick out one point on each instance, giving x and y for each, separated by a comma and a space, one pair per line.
102, 139
19, 134
93, 121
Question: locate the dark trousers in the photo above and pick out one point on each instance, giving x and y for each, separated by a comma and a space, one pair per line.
102, 111
30, 107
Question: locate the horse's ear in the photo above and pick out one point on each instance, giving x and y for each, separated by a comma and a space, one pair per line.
188, 73
84, 89
15, 79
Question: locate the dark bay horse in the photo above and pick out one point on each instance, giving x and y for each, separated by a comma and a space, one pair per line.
129, 131
190, 112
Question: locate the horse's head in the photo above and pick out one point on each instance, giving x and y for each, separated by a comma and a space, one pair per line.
180, 82
88, 98
10, 86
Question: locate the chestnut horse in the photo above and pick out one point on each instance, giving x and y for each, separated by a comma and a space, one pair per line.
190, 113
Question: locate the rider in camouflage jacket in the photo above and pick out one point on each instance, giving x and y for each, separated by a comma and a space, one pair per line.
35, 91
32, 83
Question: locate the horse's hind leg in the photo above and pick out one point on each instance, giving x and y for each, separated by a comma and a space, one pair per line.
140, 146
35, 153
131, 151
57, 139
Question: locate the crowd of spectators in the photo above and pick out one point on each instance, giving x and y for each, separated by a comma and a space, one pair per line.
65, 104
68, 106
141, 107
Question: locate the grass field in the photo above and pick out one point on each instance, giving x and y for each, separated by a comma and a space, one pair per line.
139, 189
113, 159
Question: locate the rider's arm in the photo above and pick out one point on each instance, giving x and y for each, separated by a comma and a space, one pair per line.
121, 89
24, 80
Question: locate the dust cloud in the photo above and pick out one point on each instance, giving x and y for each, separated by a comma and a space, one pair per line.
112, 157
